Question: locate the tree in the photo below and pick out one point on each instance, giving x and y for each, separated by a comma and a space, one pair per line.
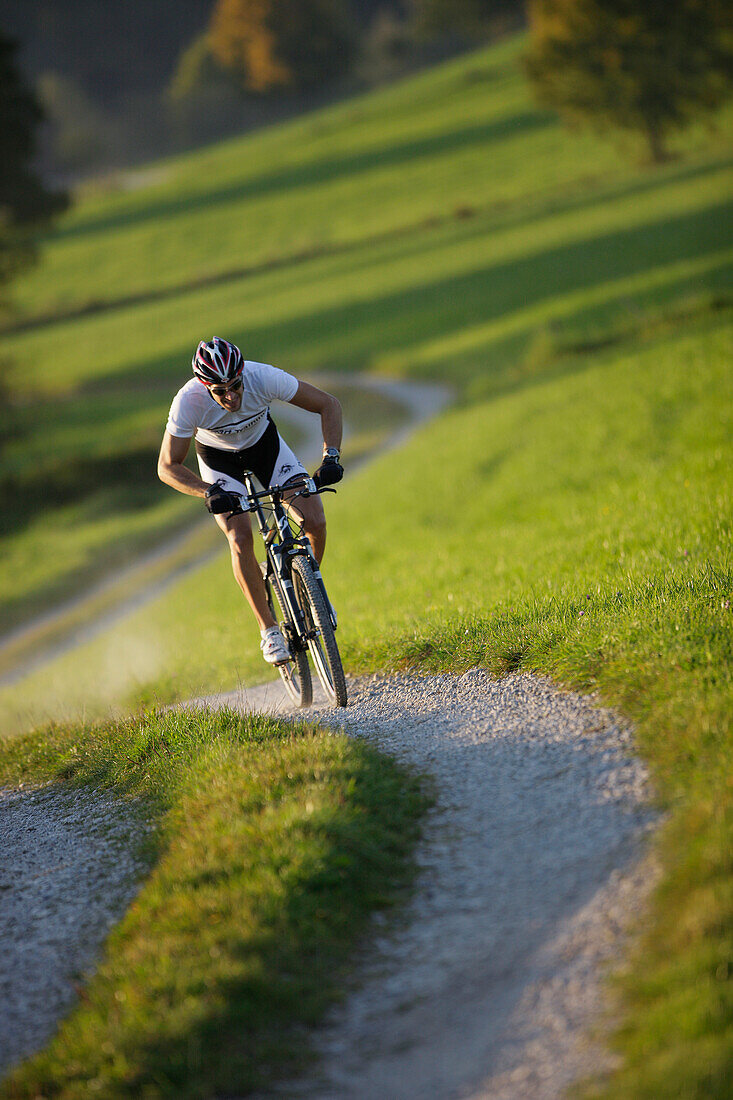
650, 66
470, 19
281, 44
79, 134
25, 203
387, 48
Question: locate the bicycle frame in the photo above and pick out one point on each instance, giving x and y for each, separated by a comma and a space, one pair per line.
293, 579
281, 544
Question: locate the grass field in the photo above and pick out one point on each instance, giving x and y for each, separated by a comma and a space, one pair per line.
445, 215
570, 515
271, 846
108, 508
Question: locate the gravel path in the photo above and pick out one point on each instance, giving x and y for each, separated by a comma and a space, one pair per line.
532, 869
66, 876
487, 984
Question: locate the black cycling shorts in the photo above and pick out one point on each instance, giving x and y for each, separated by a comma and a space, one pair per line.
269, 459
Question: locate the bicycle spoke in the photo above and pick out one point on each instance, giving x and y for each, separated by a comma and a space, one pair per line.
296, 674
321, 640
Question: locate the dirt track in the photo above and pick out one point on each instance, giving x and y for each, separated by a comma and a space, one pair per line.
530, 871
532, 868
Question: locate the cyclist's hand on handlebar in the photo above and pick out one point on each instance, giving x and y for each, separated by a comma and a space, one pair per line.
329, 472
219, 500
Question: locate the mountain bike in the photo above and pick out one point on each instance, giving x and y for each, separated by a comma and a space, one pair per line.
296, 592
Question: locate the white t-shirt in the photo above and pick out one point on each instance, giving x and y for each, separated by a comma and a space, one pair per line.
195, 412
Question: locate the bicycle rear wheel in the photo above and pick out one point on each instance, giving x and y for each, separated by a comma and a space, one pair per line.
296, 674
321, 641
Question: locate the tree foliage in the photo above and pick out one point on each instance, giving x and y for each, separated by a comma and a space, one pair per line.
650, 66
281, 44
196, 68
24, 200
112, 51
472, 19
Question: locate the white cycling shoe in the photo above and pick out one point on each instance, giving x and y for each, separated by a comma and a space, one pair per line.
274, 647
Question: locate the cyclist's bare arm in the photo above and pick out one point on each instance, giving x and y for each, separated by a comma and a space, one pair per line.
171, 470
313, 400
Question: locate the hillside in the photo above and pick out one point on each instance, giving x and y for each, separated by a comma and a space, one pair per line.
569, 516
443, 228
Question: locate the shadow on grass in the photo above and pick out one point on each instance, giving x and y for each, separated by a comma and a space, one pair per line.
438, 308
318, 172
121, 481
518, 363
501, 216
292, 968
232, 963
350, 335
257, 895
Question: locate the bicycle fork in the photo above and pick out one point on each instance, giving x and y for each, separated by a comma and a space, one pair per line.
289, 546
280, 575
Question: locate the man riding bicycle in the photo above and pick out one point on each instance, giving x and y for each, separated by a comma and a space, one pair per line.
225, 407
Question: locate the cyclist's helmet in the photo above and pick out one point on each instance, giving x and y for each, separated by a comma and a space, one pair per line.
217, 361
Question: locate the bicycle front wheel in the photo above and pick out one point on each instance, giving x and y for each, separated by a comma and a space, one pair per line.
321, 638
296, 674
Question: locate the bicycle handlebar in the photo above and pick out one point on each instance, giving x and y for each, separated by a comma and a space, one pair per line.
309, 490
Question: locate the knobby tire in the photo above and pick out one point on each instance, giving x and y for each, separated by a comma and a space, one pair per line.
296, 674
323, 647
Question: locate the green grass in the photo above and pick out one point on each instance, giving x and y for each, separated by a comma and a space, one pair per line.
365, 308
75, 517
444, 215
399, 157
573, 485
580, 527
271, 845
571, 515
38, 639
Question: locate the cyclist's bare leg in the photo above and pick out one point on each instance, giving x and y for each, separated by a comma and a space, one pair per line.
245, 566
314, 522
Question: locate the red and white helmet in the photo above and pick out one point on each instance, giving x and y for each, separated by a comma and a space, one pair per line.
217, 361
